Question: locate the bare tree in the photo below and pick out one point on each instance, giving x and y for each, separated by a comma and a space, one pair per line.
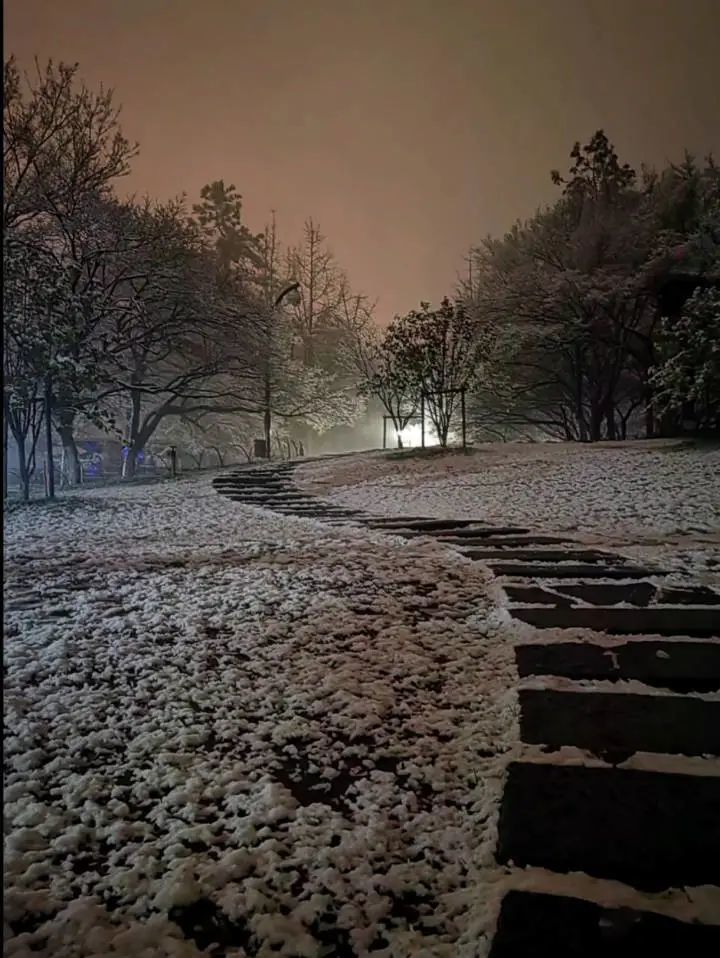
61, 143
321, 287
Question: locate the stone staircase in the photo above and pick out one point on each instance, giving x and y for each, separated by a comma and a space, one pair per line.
589, 615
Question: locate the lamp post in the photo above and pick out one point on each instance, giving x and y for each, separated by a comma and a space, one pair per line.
291, 293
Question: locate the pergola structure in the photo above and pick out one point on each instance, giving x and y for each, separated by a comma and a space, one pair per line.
460, 390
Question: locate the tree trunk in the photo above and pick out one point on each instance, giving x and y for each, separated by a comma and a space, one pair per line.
135, 437
610, 428
221, 461
595, 420
649, 421
23, 469
130, 462
6, 465
49, 457
65, 426
579, 397
72, 456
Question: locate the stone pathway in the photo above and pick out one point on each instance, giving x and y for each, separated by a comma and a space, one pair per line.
650, 829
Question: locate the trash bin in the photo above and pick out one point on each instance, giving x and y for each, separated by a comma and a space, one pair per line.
260, 451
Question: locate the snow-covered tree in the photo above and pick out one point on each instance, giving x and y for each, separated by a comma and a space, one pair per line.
62, 148
219, 214
435, 354
687, 380
41, 320
380, 377
574, 295
185, 342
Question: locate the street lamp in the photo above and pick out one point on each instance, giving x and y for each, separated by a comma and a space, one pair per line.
291, 293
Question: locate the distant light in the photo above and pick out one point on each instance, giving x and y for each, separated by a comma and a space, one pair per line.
411, 435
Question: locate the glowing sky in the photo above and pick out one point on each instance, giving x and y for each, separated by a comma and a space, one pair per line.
407, 128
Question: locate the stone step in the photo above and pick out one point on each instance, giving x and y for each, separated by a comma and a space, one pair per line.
312, 508
688, 621
641, 594
253, 478
637, 593
534, 925
293, 511
269, 490
392, 520
415, 533
528, 570
535, 595
279, 497
250, 479
293, 504
615, 725
485, 539
695, 595
540, 555
683, 666
421, 524
483, 532
255, 503
648, 829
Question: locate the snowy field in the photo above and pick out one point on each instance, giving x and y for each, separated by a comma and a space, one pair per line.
230, 728
653, 494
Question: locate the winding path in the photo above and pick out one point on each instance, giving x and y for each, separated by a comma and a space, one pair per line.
653, 824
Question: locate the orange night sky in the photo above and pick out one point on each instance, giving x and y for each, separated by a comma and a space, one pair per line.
407, 128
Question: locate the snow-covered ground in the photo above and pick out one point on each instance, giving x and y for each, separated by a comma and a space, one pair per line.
660, 496
229, 726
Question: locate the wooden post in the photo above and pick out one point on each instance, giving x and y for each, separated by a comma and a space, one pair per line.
422, 420
462, 410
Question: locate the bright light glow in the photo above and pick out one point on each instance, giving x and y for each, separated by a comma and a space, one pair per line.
411, 435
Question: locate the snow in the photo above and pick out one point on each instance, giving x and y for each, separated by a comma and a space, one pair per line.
659, 499
304, 726
638, 488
